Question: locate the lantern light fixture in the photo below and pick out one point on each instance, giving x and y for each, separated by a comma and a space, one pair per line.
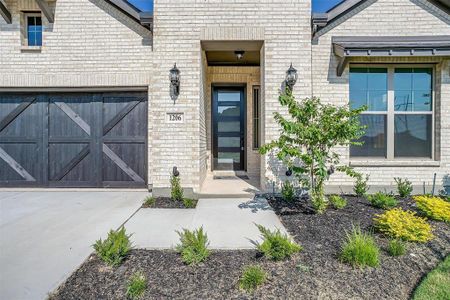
291, 77
174, 77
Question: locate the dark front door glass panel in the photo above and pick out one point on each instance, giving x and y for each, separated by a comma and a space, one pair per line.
228, 128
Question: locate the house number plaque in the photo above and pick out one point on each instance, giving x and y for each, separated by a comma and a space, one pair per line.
175, 117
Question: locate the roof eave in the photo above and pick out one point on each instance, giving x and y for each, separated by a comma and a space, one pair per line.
143, 18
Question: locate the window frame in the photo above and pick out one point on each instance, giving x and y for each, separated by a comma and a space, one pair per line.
26, 15
256, 117
391, 113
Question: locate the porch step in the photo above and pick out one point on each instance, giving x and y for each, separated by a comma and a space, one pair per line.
229, 184
229, 173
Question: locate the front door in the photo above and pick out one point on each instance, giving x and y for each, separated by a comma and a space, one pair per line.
229, 128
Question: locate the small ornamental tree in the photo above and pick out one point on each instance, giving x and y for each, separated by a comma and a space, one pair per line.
307, 140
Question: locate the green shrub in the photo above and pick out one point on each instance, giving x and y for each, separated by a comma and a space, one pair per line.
361, 185
396, 247
149, 201
137, 285
193, 246
404, 187
252, 277
176, 191
436, 284
115, 248
189, 203
276, 246
337, 201
319, 202
288, 191
382, 200
434, 207
405, 225
360, 249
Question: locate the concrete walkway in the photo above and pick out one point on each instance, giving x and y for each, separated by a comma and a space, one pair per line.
45, 236
229, 223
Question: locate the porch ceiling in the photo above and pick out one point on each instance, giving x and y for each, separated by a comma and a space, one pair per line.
222, 53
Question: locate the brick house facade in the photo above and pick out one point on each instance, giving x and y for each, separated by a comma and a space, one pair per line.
113, 54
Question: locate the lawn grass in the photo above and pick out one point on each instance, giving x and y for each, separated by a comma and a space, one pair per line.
436, 284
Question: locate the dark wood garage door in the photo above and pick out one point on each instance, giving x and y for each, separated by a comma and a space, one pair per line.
73, 139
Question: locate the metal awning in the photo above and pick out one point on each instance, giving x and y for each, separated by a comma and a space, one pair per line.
346, 47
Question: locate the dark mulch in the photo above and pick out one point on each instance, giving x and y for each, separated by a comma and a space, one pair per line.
167, 202
315, 273
321, 237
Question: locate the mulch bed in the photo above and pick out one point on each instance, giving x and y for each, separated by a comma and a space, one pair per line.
167, 202
314, 273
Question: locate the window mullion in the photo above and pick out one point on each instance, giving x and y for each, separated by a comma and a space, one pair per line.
390, 114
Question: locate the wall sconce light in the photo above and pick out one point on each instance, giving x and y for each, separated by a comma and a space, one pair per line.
175, 172
291, 77
174, 77
239, 54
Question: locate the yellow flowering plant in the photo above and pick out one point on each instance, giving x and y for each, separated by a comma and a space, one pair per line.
434, 207
405, 225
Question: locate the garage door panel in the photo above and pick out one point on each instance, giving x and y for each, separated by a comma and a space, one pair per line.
70, 117
18, 163
70, 162
121, 162
19, 117
123, 117
122, 165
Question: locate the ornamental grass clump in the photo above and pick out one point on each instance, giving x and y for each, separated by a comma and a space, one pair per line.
252, 277
404, 187
288, 191
114, 248
189, 203
337, 202
382, 200
434, 208
137, 285
193, 246
276, 246
360, 249
396, 247
149, 201
406, 225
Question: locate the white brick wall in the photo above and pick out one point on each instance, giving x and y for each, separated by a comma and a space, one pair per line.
387, 18
92, 44
284, 25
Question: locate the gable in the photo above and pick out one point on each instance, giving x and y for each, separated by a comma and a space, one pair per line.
397, 12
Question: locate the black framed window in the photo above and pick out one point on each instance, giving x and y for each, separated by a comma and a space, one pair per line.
400, 114
256, 117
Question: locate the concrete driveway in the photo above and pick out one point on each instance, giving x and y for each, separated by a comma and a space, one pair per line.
46, 235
